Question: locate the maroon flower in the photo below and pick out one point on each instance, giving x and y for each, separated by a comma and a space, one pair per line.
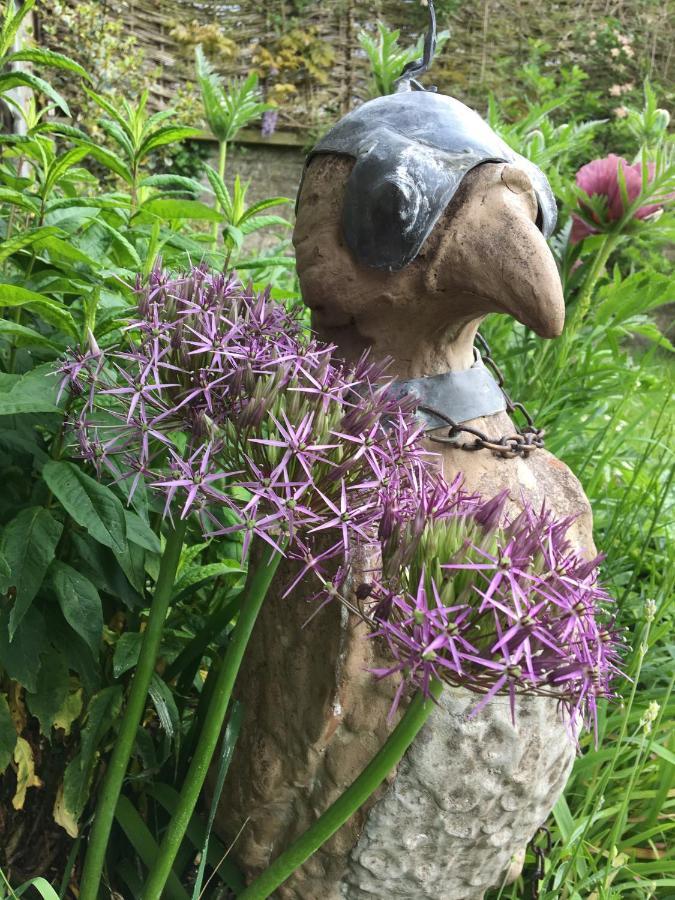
601, 178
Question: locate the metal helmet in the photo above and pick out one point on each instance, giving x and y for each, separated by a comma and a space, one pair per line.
412, 151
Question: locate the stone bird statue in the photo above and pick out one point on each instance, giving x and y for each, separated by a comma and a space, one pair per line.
414, 221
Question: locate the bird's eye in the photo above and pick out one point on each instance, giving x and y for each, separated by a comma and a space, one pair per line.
516, 180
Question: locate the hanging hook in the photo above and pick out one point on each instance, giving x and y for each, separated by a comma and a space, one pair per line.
408, 80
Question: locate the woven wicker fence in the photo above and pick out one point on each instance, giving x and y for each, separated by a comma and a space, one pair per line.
488, 38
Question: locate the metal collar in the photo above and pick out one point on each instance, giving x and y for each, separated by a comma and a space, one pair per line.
458, 396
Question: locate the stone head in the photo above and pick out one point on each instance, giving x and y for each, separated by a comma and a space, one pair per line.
414, 220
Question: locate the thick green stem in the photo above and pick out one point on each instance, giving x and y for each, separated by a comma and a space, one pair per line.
260, 577
112, 782
222, 159
346, 805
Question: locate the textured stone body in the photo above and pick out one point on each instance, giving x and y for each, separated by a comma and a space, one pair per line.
469, 795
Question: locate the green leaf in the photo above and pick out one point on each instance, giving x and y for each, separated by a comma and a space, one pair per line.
175, 182
65, 251
25, 337
79, 602
34, 392
9, 80
44, 57
52, 691
7, 734
127, 651
16, 198
170, 134
141, 533
112, 162
261, 206
91, 505
167, 208
21, 656
165, 706
102, 712
120, 239
11, 22
144, 844
25, 239
42, 886
51, 311
62, 164
195, 577
28, 544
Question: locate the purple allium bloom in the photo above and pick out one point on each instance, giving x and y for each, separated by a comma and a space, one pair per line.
224, 405
496, 607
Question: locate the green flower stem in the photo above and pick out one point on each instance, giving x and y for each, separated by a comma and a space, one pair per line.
257, 585
117, 766
222, 159
345, 806
594, 273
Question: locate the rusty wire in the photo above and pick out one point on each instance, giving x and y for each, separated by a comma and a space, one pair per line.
522, 443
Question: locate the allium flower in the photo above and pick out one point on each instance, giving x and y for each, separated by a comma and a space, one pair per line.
601, 178
224, 406
508, 608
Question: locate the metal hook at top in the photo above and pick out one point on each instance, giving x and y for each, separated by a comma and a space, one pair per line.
408, 80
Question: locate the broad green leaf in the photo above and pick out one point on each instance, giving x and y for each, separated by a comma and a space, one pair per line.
21, 656
25, 772
53, 684
92, 505
28, 544
127, 650
9, 80
79, 602
25, 239
34, 392
44, 57
51, 311
181, 209
25, 337
141, 533
102, 712
7, 734
60, 250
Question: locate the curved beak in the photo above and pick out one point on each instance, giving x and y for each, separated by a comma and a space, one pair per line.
496, 253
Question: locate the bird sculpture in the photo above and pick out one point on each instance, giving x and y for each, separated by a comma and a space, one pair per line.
414, 221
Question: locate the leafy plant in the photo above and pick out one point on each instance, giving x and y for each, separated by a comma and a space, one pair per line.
388, 59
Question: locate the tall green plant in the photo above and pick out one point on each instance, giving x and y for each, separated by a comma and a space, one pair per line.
228, 107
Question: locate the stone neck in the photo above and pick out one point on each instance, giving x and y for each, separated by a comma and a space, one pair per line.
416, 349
